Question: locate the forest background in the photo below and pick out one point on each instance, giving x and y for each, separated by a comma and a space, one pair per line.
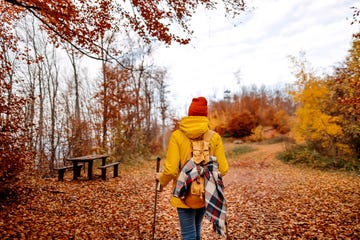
50, 109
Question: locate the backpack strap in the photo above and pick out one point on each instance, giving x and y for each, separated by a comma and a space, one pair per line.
207, 137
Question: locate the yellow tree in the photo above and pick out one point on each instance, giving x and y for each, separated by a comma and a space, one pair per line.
314, 125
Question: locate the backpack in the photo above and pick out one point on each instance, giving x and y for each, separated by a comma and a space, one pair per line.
195, 197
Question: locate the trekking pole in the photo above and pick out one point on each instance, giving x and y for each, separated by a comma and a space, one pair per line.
227, 230
157, 188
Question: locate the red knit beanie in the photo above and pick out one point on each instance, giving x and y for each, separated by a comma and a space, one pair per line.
198, 107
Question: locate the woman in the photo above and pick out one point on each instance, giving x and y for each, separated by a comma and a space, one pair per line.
194, 126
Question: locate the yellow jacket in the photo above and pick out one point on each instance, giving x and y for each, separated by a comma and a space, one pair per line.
179, 150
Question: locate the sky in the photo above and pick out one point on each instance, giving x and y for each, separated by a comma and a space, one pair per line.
256, 46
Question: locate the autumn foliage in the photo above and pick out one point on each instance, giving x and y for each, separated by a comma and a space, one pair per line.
15, 153
83, 23
46, 112
328, 113
239, 116
50, 109
266, 199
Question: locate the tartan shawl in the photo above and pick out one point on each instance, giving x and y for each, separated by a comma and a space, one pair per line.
215, 202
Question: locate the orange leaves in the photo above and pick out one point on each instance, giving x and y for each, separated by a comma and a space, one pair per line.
356, 19
8, 37
83, 23
282, 202
151, 20
238, 115
266, 199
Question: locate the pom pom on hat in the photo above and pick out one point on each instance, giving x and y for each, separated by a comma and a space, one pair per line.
198, 107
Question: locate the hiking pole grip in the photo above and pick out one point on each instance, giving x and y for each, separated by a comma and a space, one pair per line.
158, 164
158, 186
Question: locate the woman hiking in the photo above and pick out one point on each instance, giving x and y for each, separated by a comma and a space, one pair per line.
180, 168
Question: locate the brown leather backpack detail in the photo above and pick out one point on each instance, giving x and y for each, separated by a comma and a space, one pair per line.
200, 154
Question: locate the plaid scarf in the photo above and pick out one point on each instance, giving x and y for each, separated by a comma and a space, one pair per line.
215, 203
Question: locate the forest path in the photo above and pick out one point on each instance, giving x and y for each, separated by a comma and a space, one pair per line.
267, 199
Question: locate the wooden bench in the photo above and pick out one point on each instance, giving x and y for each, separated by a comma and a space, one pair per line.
61, 171
104, 167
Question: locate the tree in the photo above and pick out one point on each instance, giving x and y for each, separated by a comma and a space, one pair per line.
15, 150
344, 85
239, 114
163, 104
355, 82
83, 23
314, 123
241, 124
281, 121
116, 105
352, 80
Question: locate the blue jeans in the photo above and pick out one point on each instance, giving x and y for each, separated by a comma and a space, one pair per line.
190, 222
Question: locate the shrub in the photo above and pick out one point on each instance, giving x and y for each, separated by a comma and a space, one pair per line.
241, 125
278, 139
239, 151
303, 155
281, 122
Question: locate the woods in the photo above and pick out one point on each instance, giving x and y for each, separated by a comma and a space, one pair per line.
80, 77
53, 106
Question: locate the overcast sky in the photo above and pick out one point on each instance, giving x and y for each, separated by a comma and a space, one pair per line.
258, 46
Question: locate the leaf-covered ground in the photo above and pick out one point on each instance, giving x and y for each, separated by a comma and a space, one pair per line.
266, 198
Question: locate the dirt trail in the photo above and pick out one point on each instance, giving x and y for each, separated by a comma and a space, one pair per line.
266, 200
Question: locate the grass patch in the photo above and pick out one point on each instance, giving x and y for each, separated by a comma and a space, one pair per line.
233, 153
302, 155
278, 139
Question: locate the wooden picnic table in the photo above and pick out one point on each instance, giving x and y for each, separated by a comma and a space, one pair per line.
87, 159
